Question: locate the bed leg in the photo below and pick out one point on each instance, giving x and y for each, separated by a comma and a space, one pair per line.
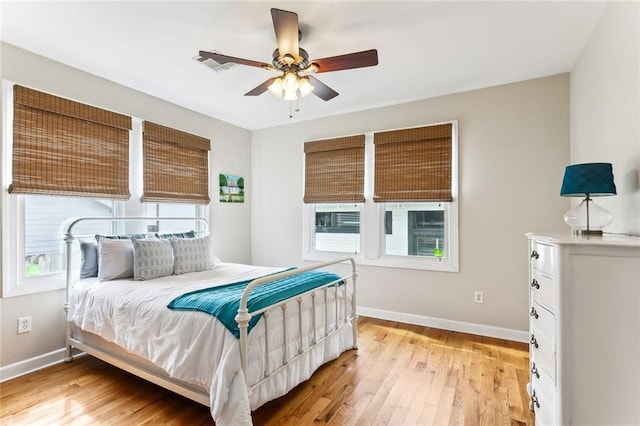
67, 354
68, 357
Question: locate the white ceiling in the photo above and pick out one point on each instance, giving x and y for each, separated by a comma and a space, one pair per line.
425, 49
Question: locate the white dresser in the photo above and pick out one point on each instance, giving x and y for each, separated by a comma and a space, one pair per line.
584, 326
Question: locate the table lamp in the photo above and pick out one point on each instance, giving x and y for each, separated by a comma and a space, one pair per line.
588, 180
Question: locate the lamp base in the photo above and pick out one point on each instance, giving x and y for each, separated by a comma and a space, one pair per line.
588, 232
588, 218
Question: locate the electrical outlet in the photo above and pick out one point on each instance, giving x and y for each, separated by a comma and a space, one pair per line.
478, 296
24, 325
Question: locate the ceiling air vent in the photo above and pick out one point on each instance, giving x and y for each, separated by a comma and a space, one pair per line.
213, 64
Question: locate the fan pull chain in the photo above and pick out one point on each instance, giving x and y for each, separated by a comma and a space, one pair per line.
291, 109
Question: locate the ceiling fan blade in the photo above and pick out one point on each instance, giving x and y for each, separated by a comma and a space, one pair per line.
223, 59
366, 58
285, 25
321, 90
261, 88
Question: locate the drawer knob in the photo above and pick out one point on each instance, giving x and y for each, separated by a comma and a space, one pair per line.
534, 313
534, 400
534, 370
533, 341
535, 284
535, 255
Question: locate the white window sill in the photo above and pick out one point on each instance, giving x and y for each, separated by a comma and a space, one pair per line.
34, 285
408, 262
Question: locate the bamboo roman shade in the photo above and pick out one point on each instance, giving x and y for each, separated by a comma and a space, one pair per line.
176, 166
62, 147
334, 170
413, 164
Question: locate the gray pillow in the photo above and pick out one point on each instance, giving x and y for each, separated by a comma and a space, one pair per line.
89, 268
100, 237
115, 259
191, 255
151, 259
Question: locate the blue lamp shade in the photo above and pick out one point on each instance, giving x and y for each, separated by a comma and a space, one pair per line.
595, 179
588, 180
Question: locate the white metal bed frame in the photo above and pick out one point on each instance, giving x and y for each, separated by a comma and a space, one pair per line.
156, 376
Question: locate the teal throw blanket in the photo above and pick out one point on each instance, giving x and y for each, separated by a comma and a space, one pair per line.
223, 301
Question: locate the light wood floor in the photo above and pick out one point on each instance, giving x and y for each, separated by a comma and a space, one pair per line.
400, 375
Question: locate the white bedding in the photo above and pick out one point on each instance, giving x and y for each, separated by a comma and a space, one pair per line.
195, 347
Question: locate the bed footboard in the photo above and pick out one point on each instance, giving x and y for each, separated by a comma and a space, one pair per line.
345, 297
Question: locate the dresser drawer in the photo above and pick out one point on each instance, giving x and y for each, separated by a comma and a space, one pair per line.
543, 290
542, 258
544, 393
543, 320
545, 412
543, 352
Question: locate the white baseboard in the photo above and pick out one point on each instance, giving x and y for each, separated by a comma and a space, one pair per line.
36, 363
39, 362
444, 324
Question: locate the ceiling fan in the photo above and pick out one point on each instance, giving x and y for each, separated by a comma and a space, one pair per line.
292, 61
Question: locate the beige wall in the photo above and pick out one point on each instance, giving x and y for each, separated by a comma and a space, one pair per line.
513, 146
605, 109
230, 153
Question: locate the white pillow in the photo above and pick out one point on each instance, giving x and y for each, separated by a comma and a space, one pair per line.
151, 258
115, 260
191, 255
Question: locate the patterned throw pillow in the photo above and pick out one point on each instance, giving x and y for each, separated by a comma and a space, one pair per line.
190, 254
188, 234
119, 237
151, 259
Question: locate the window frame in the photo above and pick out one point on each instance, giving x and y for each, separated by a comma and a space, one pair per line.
372, 223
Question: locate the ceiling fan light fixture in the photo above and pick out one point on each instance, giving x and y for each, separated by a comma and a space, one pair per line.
305, 87
290, 82
291, 86
290, 95
276, 87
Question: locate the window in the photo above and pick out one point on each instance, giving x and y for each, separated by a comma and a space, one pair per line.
337, 228
333, 193
44, 219
419, 229
175, 210
77, 163
409, 217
